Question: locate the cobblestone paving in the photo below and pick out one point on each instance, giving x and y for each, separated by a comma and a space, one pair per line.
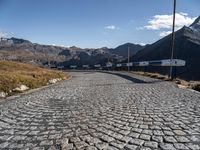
103, 111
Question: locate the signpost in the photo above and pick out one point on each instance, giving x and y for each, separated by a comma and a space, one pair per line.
173, 40
128, 58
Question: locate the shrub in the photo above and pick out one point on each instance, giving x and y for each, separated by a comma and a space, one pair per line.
196, 87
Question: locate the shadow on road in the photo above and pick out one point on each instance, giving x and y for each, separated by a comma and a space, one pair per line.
130, 78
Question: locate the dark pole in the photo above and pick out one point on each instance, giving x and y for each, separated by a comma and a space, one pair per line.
128, 58
173, 40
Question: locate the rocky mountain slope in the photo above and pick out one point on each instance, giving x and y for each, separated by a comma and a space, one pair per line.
122, 50
187, 47
26, 51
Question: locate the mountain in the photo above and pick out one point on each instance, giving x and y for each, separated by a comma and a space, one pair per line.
187, 47
26, 51
122, 50
65, 52
195, 26
91, 57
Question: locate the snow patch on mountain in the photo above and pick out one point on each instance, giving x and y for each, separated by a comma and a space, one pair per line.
196, 25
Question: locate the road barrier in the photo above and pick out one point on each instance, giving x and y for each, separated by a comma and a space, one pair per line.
97, 66
73, 66
86, 66
165, 62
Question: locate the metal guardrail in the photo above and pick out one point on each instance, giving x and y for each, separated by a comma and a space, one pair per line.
165, 62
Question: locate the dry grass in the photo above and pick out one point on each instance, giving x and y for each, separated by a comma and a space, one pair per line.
13, 74
152, 75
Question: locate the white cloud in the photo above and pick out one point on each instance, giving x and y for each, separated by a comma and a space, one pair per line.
142, 44
111, 27
184, 14
159, 22
3, 34
60, 45
165, 33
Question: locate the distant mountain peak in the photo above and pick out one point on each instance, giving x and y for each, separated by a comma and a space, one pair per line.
18, 40
13, 40
74, 48
197, 21
196, 25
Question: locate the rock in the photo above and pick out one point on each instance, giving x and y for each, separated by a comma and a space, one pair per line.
21, 88
59, 79
53, 81
3, 94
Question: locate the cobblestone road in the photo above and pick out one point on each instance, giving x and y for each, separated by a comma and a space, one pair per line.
103, 111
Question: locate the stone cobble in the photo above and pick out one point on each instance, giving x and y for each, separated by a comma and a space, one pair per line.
108, 111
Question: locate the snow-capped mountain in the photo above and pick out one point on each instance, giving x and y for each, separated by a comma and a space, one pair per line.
196, 25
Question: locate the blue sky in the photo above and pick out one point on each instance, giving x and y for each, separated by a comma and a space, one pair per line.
92, 23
